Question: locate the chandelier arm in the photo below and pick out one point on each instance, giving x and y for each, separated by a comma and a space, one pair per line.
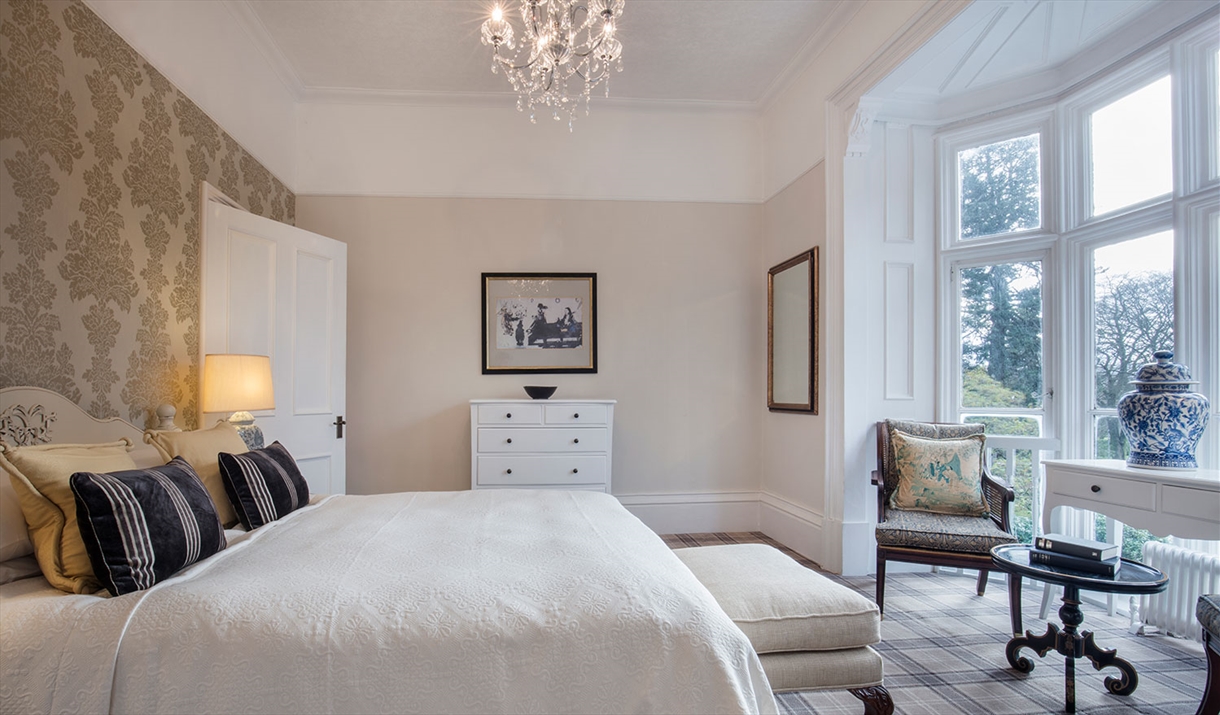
508, 65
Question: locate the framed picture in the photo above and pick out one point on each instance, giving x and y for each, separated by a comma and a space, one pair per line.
539, 323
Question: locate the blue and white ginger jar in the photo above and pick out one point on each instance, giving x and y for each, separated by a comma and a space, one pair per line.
1163, 419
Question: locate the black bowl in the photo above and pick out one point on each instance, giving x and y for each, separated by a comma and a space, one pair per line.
540, 392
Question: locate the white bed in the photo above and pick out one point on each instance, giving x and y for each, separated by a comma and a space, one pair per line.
480, 601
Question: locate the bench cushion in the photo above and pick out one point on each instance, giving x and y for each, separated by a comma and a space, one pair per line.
779, 604
941, 532
820, 670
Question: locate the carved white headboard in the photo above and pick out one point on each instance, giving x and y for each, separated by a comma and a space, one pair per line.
32, 415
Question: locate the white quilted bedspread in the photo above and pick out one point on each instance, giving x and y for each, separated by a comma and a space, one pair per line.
482, 601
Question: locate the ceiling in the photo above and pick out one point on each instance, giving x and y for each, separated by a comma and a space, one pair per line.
997, 41
693, 50
722, 52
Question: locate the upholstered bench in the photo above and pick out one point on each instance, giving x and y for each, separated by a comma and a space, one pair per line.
809, 632
1207, 610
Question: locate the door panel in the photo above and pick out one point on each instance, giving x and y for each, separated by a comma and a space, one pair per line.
273, 289
251, 291
312, 373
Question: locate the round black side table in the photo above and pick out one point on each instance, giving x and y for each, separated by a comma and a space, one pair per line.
1132, 578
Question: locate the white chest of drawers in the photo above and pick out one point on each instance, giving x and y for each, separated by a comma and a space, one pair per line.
541, 444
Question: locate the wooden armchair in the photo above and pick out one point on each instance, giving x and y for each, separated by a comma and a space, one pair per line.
940, 539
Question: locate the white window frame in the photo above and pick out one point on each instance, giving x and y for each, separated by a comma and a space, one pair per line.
1040, 121
1069, 233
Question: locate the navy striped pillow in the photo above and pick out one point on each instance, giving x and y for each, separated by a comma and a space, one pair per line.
144, 525
263, 484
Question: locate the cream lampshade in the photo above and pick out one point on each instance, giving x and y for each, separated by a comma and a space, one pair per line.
237, 384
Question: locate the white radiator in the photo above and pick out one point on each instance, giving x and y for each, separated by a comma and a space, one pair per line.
1191, 574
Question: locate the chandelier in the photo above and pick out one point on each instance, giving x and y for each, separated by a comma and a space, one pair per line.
567, 49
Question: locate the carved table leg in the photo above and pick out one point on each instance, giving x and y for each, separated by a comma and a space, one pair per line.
1103, 658
876, 699
1041, 645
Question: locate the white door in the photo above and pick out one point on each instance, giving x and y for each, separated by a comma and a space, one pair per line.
273, 289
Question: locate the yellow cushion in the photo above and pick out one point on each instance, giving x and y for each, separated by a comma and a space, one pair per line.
40, 476
944, 476
199, 448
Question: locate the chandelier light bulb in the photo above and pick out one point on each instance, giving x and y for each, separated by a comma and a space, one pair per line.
567, 48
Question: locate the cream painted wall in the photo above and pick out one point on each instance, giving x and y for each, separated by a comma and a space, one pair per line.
794, 445
632, 152
200, 47
681, 310
794, 124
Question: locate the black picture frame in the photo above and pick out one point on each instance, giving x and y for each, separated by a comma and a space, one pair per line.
565, 342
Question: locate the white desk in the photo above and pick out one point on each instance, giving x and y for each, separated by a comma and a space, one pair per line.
1177, 503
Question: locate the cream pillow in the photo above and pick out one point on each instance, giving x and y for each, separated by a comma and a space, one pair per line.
200, 449
944, 476
39, 475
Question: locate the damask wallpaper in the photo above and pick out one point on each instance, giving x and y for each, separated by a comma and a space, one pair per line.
99, 204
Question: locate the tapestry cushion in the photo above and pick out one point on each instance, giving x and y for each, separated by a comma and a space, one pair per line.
201, 449
1207, 610
940, 532
927, 430
144, 525
40, 475
263, 484
779, 604
939, 475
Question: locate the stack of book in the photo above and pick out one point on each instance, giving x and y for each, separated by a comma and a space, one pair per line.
1070, 552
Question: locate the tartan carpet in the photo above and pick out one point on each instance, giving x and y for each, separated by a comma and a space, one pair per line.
943, 648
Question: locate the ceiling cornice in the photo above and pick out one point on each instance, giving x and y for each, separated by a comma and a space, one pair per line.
254, 28
836, 20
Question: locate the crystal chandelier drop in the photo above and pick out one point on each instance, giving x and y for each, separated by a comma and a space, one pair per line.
567, 48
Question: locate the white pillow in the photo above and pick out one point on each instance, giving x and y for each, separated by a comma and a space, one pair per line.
17, 569
14, 537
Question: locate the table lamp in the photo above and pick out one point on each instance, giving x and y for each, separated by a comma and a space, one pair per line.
237, 384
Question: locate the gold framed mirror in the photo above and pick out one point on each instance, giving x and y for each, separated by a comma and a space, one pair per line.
792, 334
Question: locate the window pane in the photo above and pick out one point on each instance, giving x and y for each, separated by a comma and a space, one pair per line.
1111, 442
1132, 311
1000, 187
1133, 148
1001, 324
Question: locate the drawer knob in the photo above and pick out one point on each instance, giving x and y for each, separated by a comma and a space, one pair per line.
509, 471
509, 416
576, 416
1095, 488
510, 440
576, 441
575, 471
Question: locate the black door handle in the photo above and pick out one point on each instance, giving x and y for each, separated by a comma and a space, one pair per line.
338, 423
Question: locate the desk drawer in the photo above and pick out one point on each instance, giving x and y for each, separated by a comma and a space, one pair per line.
510, 414
1195, 503
1109, 490
518, 471
508, 440
573, 414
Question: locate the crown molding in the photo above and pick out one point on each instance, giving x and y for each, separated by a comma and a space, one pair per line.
252, 24
836, 20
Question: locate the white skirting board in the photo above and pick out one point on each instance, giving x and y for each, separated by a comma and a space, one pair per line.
695, 513
794, 526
